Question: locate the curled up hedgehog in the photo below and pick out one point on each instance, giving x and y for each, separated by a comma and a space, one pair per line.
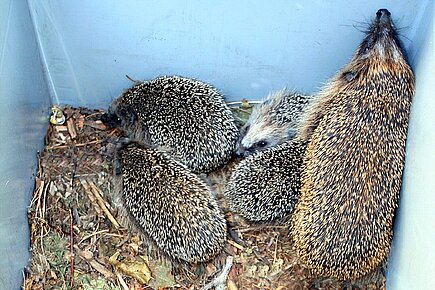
272, 122
167, 203
342, 226
266, 184
187, 116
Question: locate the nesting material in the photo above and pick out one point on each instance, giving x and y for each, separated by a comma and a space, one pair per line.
168, 203
186, 115
74, 244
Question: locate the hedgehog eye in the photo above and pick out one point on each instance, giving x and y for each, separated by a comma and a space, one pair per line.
261, 144
246, 129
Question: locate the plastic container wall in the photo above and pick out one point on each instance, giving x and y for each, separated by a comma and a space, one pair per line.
79, 52
24, 100
245, 48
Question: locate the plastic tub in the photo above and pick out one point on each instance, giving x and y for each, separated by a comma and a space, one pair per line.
78, 53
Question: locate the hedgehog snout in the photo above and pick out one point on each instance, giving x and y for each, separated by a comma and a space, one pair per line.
240, 152
110, 120
384, 18
243, 151
383, 14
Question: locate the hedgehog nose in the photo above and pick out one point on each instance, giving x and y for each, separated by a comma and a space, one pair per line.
383, 14
104, 118
239, 153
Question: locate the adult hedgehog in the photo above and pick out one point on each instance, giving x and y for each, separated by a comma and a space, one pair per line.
186, 115
352, 169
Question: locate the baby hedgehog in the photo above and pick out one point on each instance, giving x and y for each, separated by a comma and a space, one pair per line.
272, 122
266, 185
167, 203
352, 168
185, 115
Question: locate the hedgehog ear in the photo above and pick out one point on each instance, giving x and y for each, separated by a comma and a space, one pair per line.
350, 75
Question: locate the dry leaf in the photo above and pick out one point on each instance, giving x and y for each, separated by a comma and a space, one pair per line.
162, 271
136, 270
231, 285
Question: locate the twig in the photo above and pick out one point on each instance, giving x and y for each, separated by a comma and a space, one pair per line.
102, 203
240, 102
94, 114
71, 247
276, 249
25, 286
98, 193
76, 145
91, 235
91, 196
133, 80
220, 281
96, 125
44, 199
42, 243
253, 229
114, 235
71, 128
94, 264
38, 204
234, 244
121, 281
92, 188
113, 132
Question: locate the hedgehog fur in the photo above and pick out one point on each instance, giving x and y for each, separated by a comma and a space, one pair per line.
186, 115
167, 203
272, 122
266, 185
342, 226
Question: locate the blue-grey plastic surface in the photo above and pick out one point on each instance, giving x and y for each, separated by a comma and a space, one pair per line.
245, 48
78, 53
24, 100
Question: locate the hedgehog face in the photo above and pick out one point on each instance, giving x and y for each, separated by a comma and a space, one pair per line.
381, 40
119, 115
260, 136
377, 56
